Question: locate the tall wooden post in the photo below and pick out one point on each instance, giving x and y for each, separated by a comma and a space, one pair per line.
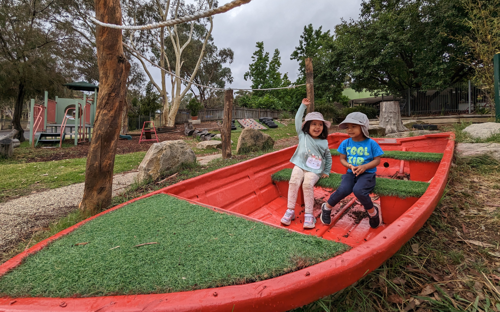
114, 69
46, 104
310, 84
32, 123
226, 125
496, 89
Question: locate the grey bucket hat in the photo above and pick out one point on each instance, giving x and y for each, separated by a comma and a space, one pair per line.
316, 116
357, 118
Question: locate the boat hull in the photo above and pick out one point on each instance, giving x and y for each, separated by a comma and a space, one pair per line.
238, 190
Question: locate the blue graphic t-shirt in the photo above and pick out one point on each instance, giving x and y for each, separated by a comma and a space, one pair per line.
359, 153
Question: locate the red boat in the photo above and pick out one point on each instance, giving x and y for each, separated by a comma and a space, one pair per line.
253, 190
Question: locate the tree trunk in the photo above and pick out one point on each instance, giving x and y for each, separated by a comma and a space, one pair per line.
124, 123
226, 126
18, 111
113, 72
390, 117
310, 84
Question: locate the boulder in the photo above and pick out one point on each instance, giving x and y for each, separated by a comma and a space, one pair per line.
253, 140
218, 136
376, 130
410, 133
164, 156
478, 149
209, 144
483, 130
188, 128
15, 143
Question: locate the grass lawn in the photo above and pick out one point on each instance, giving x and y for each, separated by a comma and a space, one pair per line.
22, 178
194, 248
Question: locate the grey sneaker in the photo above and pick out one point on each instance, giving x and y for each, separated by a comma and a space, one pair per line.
376, 220
288, 217
325, 216
309, 221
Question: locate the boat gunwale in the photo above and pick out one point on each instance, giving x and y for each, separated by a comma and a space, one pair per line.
277, 294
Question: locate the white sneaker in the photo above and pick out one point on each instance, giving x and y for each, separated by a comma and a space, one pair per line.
288, 217
309, 221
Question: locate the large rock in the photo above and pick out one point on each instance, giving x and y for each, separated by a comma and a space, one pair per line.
164, 156
410, 133
376, 130
478, 149
253, 140
209, 144
483, 130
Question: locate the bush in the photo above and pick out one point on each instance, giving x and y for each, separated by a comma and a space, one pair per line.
329, 111
194, 107
371, 112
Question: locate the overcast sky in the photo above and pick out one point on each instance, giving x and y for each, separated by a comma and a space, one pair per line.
279, 24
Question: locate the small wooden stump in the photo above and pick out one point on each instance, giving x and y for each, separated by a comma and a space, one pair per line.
6, 148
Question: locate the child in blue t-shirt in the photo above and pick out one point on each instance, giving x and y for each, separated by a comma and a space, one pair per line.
361, 155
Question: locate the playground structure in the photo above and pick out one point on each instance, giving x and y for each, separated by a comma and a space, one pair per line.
56, 119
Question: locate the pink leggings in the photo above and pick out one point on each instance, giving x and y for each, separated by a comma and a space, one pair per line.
307, 179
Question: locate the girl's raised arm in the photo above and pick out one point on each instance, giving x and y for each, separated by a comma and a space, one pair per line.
300, 114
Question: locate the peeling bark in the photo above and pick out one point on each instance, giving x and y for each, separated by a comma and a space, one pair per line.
113, 72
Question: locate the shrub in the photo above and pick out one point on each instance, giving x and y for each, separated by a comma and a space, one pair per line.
194, 107
371, 112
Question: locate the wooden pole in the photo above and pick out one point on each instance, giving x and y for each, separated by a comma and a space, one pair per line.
226, 125
310, 84
32, 123
46, 104
496, 89
114, 69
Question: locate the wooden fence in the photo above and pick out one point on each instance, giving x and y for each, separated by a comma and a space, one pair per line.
218, 114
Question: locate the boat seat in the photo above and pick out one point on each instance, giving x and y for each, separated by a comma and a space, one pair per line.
405, 155
384, 186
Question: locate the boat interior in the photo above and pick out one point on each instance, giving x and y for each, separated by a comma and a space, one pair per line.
247, 189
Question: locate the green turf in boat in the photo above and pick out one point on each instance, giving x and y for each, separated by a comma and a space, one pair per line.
196, 248
384, 187
401, 155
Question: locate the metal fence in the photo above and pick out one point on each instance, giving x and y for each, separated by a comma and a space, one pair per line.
461, 98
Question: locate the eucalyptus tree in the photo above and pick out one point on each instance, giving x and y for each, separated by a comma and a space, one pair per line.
31, 46
213, 73
158, 44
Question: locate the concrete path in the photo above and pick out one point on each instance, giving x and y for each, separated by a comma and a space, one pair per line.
21, 217
28, 214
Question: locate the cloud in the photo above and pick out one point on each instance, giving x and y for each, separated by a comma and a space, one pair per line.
279, 24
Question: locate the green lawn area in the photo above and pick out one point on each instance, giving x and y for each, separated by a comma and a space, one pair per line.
194, 248
22, 178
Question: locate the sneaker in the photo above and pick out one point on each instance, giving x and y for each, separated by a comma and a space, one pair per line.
326, 215
288, 217
309, 221
376, 220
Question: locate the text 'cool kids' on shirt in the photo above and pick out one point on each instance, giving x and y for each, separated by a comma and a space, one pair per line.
359, 153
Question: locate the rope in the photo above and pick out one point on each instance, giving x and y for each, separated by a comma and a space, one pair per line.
226, 7
200, 85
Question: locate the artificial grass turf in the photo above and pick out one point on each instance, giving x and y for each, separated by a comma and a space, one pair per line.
196, 248
384, 187
401, 155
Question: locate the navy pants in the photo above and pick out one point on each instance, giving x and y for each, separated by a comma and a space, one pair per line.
361, 186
